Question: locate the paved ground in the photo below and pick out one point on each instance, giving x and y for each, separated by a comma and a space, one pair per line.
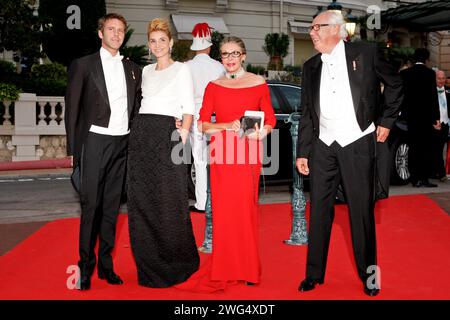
31, 198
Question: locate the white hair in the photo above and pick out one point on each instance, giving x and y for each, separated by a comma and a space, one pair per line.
337, 19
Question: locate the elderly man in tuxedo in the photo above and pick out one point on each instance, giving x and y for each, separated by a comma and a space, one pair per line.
342, 121
102, 93
440, 137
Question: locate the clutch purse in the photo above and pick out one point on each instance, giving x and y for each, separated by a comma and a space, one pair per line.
249, 121
248, 124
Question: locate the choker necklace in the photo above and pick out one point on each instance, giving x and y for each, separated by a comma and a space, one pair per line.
235, 75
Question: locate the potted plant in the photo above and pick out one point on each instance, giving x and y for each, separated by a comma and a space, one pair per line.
137, 54
276, 46
8, 93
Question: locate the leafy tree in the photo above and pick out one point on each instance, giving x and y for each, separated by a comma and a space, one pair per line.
276, 46
20, 30
63, 44
216, 38
47, 80
54, 71
181, 51
7, 71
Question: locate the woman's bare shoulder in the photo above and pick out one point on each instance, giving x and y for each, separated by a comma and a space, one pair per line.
256, 79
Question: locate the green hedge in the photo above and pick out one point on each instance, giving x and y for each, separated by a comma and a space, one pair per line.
45, 87
54, 71
7, 68
45, 80
256, 69
9, 92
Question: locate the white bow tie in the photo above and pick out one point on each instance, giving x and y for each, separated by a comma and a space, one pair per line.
327, 58
117, 57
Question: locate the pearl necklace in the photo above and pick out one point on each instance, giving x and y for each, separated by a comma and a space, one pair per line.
235, 75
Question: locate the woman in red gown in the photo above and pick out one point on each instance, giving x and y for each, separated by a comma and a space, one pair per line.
235, 165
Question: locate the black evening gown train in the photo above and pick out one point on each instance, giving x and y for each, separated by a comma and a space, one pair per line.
161, 235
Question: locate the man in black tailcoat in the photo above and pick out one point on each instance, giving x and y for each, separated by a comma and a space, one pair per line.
342, 119
422, 116
102, 95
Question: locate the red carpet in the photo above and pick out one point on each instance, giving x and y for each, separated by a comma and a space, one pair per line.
413, 248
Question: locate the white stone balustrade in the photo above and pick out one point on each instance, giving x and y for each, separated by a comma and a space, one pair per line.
27, 127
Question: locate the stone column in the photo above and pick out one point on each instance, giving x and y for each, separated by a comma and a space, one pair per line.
25, 137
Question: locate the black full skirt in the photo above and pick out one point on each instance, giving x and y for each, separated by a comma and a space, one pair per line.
161, 235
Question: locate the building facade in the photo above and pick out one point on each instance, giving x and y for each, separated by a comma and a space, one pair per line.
249, 19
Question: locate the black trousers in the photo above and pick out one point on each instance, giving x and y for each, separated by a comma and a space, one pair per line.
439, 140
353, 166
420, 151
103, 168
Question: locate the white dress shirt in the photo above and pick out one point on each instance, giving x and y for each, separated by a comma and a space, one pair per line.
169, 91
337, 114
204, 69
117, 94
443, 105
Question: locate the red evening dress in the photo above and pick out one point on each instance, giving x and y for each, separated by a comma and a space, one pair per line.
234, 181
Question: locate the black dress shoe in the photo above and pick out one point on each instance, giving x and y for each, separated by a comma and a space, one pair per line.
309, 284
194, 209
417, 184
428, 184
84, 283
371, 292
110, 277
424, 183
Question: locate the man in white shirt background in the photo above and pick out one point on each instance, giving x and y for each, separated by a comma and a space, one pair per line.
440, 137
204, 69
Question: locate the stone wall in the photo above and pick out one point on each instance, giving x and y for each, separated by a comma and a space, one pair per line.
51, 147
7, 150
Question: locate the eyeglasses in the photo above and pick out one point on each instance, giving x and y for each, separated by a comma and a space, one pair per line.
234, 54
316, 27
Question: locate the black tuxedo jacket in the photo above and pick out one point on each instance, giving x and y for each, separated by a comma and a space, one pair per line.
366, 71
421, 103
87, 100
447, 96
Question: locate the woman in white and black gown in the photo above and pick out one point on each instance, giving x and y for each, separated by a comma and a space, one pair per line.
161, 235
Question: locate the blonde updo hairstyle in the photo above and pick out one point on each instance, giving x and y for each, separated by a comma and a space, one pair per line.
159, 24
